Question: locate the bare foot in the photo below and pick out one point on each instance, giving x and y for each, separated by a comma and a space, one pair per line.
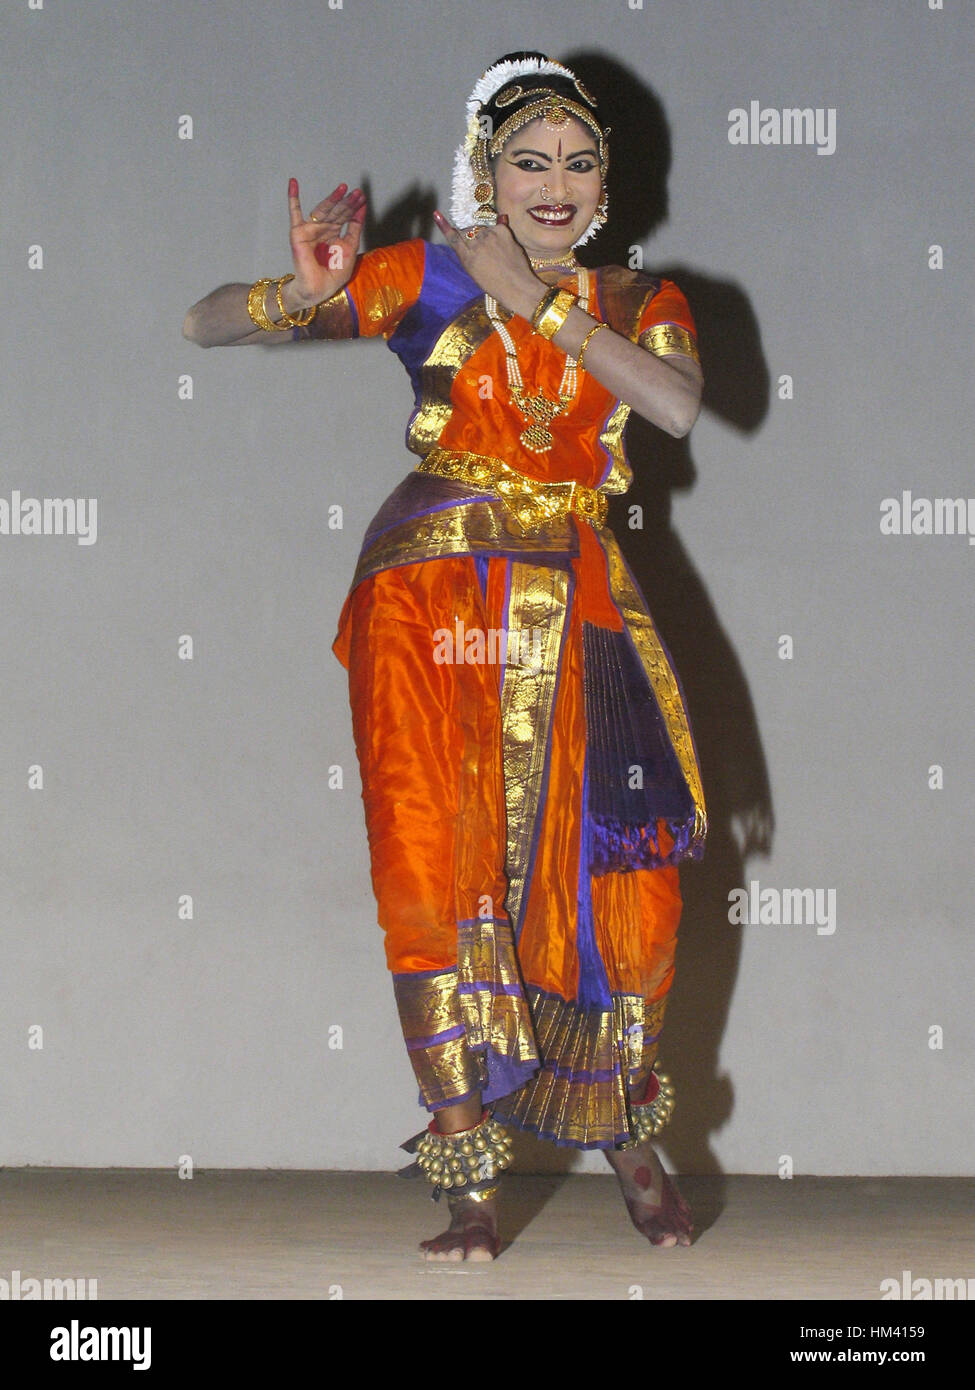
472, 1235
656, 1208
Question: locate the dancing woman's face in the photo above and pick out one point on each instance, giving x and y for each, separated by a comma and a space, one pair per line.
547, 181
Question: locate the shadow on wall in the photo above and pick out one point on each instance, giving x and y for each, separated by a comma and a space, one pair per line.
719, 702
718, 699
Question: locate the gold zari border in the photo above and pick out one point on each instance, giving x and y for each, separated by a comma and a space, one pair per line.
432, 1004
467, 529
457, 343
530, 502
538, 601
587, 1113
620, 475
538, 596
486, 957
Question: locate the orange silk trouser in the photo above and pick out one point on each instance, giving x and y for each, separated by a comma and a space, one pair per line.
431, 745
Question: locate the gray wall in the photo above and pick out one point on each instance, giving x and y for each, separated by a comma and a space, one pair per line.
162, 777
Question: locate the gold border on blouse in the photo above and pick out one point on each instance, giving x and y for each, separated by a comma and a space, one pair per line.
457, 343
620, 475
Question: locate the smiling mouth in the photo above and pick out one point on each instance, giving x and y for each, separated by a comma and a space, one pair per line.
553, 215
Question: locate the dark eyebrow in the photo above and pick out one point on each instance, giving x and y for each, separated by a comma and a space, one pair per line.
541, 155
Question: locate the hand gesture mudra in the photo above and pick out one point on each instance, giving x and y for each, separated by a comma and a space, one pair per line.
493, 259
323, 258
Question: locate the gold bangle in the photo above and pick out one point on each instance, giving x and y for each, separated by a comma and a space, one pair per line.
293, 320
256, 308
585, 343
551, 320
544, 304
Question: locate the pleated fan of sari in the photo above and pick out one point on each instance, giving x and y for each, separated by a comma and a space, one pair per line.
634, 777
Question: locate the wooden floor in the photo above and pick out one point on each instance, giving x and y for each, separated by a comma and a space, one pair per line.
298, 1235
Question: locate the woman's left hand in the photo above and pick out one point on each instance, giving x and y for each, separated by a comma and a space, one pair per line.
495, 261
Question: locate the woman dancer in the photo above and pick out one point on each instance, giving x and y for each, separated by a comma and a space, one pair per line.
529, 775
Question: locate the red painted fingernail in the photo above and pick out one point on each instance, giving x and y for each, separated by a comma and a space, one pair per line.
292, 187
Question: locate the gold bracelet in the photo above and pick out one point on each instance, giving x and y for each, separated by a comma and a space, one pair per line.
551, 320
258, 310
293, 320
255, 305
544, 304
585, 343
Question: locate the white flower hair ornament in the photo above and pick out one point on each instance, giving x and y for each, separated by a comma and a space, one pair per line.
472, 191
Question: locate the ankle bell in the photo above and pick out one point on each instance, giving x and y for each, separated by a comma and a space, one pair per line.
650, 1117
468, 1163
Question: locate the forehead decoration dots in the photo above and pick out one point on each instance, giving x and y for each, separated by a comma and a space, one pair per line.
524, 101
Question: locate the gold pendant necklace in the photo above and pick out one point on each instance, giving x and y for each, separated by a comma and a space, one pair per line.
542, 410
539, 409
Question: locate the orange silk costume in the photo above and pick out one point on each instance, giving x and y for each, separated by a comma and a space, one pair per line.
527, 800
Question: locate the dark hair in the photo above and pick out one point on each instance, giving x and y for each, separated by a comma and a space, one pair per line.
556, 82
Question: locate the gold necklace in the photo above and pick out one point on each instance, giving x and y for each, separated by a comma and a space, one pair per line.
540, 410
544, 262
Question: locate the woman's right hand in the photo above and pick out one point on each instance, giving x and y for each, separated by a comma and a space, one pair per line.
323, 258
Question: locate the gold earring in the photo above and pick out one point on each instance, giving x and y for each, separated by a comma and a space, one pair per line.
483, 183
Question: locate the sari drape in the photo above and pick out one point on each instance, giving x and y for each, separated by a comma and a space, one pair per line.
529, 775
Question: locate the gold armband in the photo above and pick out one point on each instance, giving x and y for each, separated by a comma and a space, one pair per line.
666, 338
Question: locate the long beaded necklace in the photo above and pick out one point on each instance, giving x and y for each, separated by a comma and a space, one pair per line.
539, 409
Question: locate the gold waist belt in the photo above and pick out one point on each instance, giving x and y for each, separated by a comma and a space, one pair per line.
530, 503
